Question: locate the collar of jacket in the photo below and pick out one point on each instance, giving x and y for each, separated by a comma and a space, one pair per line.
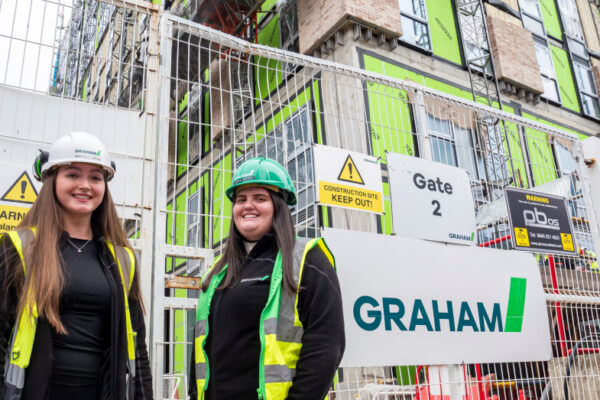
264, 243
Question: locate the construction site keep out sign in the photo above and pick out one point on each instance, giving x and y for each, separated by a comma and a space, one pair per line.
348, 179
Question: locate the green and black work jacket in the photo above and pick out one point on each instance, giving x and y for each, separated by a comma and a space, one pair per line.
254, 340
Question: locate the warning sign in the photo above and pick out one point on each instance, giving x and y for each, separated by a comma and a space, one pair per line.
567, 242
348, 179
21, 191
521, 237
541, 222
10, 216
349, 172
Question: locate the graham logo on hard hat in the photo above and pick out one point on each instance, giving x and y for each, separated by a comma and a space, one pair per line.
245, 177
74, 147
263, 172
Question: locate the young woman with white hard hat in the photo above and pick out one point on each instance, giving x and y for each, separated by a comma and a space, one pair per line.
269, 323
71, 312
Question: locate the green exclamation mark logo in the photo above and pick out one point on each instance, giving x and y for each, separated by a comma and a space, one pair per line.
516, 305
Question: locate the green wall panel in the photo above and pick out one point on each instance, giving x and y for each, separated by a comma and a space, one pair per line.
540, 156
442, 28
550, 18
386, 218
516, 153
566, 84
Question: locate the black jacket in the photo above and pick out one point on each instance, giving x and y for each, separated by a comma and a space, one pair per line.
233, 343
113, 375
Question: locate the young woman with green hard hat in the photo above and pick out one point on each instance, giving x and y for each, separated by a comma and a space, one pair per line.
269, 322
71, 312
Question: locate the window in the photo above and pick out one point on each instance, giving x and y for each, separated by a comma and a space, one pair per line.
580, 58
542, 52
290, 144
587, 88
194, 232
532, 21
288, 25
414, 23
452, 144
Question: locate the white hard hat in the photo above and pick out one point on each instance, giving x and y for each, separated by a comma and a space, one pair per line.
77, 147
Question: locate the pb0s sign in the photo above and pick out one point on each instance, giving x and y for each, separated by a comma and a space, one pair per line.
410, 302
539, 222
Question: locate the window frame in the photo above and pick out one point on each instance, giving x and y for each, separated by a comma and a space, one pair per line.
541, 42
420, 20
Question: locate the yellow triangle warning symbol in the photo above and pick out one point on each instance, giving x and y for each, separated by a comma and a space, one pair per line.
349, 172
22, 191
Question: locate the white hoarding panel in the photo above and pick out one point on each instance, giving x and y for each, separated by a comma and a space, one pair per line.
32, 121
430, 200
348, 179
411, 302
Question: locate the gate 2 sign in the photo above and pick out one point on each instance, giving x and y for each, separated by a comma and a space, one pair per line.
431, 200
411, 302
539, 222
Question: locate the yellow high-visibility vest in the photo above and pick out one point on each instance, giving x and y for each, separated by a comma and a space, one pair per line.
280, 328
21, 344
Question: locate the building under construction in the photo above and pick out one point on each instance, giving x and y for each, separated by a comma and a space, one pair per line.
505, 91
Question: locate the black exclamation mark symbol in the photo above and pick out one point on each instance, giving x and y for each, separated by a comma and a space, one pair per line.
350, 169
23, 187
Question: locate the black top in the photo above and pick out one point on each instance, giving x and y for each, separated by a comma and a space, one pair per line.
112, 379
85, 313
233, 343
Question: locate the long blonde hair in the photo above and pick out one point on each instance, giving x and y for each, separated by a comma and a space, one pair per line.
44, 271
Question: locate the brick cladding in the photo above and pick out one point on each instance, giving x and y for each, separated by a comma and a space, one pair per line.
514, 55
319, 19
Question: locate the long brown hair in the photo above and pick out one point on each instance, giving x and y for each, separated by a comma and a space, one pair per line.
234, 253
45, 276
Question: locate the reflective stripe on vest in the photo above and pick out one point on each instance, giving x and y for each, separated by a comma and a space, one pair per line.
280, 327
23, 335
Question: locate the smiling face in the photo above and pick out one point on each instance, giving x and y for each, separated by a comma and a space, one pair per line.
253, 213
80, 189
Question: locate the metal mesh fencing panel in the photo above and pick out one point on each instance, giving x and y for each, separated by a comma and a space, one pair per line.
226, 100
89, 50
81, 65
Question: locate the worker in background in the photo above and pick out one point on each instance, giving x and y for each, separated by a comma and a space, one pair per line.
269, 322
590, 259
71, 312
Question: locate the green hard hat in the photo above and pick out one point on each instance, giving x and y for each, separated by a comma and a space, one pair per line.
262, 171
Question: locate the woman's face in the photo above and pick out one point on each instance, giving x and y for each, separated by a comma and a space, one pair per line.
253, 212
80, 189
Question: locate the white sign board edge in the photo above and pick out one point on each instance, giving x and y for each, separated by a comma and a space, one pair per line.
404, 268
427, 214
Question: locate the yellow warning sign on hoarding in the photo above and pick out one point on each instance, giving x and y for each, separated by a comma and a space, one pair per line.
567, 242
348, 196
521, 237
21, 191
348, 179
10, 216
